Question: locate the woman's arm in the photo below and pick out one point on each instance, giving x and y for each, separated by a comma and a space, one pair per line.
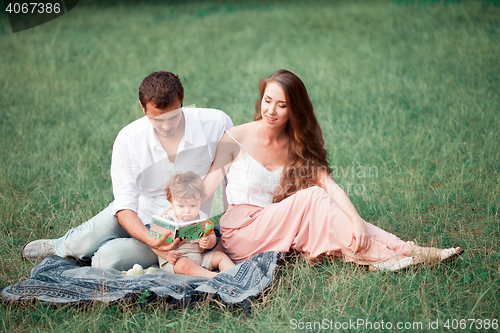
360, 239
227, 150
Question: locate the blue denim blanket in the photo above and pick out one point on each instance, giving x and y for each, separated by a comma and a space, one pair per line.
62, 281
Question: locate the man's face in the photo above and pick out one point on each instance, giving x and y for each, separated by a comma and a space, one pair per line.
167, 121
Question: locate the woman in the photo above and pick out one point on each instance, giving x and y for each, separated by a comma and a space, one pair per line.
281, 195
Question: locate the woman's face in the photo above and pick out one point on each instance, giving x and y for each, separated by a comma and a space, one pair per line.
273, 106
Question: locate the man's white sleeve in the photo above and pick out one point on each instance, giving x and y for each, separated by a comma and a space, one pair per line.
123, 175
228, 123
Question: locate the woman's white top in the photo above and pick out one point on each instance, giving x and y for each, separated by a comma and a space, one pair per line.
249, 182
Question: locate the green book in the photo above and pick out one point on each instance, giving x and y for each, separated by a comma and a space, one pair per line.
192, 230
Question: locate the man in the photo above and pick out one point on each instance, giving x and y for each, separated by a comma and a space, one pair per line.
146, 153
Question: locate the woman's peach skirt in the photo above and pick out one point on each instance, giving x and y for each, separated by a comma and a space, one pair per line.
309, 222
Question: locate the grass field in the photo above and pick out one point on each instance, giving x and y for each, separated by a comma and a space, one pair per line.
407, 94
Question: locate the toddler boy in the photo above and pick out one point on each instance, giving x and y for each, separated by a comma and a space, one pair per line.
186, 192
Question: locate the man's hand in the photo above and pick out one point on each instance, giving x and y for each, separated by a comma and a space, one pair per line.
161, 245
134, 226
162, 249
173, 256
207, 242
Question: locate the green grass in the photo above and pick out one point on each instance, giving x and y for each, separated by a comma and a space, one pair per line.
407, 93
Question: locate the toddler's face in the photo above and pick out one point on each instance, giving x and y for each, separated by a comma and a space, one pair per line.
186, 209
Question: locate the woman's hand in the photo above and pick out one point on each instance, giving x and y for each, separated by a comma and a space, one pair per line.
207, 242
360, 239
173, 256
165, 212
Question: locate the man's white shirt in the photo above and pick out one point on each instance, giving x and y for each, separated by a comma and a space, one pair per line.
140, 168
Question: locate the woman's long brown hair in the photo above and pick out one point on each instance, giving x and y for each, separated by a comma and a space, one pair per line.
306, 150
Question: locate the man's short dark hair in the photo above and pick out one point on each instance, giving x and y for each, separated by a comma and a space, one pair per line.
162, 89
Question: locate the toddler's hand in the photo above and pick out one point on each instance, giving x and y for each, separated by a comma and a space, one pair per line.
203, 242
207, 242
173, 256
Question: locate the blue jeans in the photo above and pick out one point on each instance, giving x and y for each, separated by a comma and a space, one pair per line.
104, 242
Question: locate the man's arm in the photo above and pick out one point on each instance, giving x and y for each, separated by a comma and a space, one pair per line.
133, 225
124, 170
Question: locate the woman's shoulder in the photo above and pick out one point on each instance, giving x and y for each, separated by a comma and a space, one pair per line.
240, 132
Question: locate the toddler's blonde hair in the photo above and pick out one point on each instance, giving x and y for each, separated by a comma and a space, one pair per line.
184, 186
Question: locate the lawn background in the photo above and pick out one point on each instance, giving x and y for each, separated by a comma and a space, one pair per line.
407, 94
